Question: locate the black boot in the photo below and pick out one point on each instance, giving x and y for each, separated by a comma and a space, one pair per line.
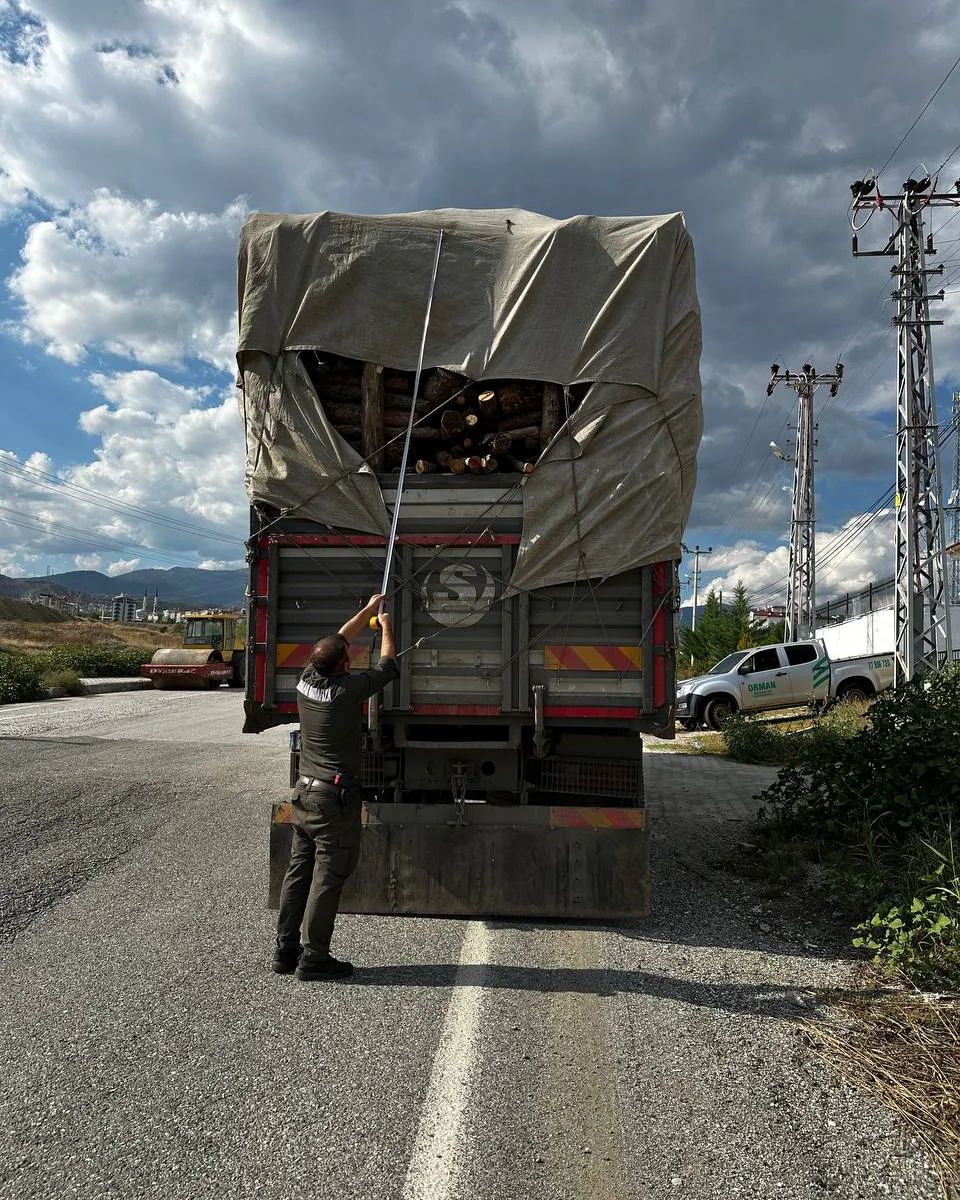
285, 959
329, 968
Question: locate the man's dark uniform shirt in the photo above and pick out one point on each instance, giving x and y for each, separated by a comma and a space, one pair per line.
331, 718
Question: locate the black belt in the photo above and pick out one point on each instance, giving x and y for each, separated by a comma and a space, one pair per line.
310, 781
338, 783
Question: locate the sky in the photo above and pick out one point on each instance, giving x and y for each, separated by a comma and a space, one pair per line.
136, 136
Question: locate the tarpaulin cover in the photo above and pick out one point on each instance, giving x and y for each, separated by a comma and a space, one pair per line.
610, 301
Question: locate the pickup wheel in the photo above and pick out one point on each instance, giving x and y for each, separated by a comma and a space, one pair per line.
718, 710
856, 689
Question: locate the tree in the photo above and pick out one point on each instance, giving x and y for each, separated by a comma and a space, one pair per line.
722, 629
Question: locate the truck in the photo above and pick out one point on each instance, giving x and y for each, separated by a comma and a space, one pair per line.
784, 675
534, 588
213, 652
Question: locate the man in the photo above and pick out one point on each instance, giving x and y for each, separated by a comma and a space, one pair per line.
326, 807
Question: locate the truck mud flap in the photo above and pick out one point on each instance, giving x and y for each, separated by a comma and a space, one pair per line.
528, 861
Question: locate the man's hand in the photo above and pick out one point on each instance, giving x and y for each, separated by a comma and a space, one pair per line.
352, 629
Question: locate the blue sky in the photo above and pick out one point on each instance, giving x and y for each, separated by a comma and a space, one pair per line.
134, 137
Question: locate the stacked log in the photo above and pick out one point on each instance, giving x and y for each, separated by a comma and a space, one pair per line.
461, 427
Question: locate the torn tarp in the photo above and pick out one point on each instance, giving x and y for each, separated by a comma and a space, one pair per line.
605, 300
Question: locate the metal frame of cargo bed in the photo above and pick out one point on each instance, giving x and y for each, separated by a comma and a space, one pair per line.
653, 713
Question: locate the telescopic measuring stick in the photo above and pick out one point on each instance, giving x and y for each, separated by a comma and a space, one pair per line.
391, 540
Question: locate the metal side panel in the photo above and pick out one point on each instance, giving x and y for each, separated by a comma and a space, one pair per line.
318, 587
561, 862
587, 644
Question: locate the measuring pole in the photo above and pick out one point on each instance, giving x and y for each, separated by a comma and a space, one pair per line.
801, 614
922, 612
392, 539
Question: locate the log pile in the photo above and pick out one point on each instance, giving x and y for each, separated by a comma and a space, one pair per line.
462, 427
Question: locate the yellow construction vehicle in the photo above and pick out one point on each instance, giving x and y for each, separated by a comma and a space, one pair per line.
212, 653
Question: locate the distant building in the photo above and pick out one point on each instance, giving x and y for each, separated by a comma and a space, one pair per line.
123, 608
49, 600
771, 614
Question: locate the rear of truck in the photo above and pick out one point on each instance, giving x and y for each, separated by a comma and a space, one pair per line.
502, 772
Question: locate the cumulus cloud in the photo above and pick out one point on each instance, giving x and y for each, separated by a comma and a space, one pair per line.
165, 482
848, 558
121, 565
135, 127
120, 274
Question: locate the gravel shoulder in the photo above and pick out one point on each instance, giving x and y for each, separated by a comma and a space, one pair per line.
145, 1049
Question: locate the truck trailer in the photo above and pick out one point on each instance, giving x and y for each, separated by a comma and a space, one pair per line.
534, 583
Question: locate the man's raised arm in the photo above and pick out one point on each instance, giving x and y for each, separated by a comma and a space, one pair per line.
352, 629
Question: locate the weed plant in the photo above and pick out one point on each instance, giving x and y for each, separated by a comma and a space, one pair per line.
880, 806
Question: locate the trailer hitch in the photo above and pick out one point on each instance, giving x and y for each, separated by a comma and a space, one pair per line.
460, 773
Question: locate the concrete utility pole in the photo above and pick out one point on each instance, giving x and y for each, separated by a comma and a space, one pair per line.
802, 573
922, 615
695, 574
952, 509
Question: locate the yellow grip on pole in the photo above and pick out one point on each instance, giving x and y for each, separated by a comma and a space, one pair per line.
374, 624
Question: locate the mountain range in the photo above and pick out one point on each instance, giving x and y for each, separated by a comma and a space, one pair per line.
176, 585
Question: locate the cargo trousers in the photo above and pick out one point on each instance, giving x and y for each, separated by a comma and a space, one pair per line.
326, 846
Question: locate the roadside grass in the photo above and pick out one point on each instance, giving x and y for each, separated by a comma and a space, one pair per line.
903, 1047
778, 743
29, 637
26, 676
864, 816
705, 742
774, 740
65, 678
25, 610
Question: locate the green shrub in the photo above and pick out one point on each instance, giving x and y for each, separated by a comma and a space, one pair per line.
879, 806
753, 741
66, 679
19, 679
902, 769
95, 662
750, 739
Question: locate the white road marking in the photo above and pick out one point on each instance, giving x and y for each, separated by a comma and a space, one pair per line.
438, 1149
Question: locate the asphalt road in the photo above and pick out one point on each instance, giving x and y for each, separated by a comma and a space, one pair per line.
146, 1051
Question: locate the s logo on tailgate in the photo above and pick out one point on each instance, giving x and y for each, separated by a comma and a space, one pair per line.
458, 593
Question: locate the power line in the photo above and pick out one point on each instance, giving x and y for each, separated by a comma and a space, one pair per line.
44, 479
89, 536
917, 121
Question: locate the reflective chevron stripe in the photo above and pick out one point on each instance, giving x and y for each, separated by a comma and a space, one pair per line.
622, 659
297, 654
597, 818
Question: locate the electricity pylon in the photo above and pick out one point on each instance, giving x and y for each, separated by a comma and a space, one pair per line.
922, 614
952, 508
802, 574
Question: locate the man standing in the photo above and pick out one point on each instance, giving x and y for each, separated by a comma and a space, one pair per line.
326, 807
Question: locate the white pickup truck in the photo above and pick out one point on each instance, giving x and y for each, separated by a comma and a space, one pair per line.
780, 676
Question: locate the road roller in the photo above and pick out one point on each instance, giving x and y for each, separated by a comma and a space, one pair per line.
212, 653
